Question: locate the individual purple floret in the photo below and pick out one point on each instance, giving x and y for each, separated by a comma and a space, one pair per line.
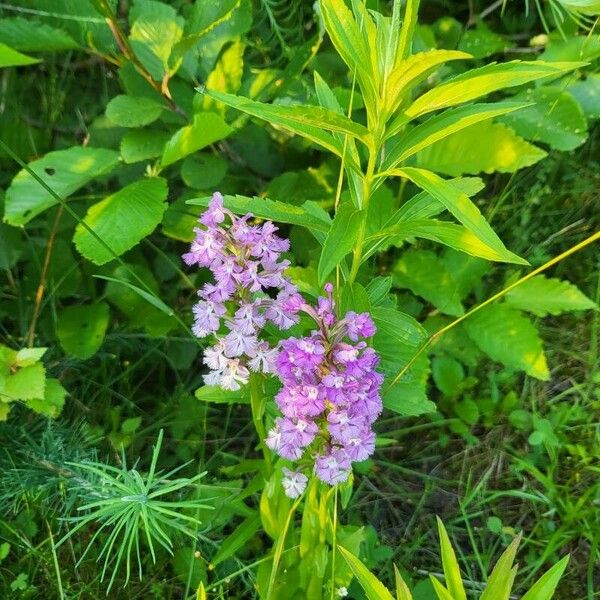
245, 262
330, 394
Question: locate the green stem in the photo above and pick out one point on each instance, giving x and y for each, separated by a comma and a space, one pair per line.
257, 404
360, 241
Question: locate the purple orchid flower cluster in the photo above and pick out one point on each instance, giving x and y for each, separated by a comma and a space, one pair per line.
245, 262
330, 394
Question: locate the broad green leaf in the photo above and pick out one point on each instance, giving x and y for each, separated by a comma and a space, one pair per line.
25, 383
122, 220
555, 119
500, 583
155, 30
441, 592
147, 296
207, 128
412, 71
439, 127
588, 7
544, 587
133, 111
11, 246
142, 144
462, 209
480, 82
226, 76
305, 120
467, 271
509, 337
27, 35
213, 393
280, 212
452, 575
482, 42
397, 340
587, 93
373, 588
203, 171
414, 271
448, 375
340, 239
463, 152
65, 171
13, 58
402, 591
52, 403
207, 17
241, 536
548, 296
28, 356
80, 329
345, 35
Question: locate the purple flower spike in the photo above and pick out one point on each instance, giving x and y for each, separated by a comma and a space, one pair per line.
294, 483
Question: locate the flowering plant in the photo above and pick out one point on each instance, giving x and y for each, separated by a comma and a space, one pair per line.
329, 394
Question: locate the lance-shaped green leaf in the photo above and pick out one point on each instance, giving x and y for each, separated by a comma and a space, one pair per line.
480, 82
461, 208
348, 40
340, 239
9, 57
33, 36
544, 587
300, 119
373, 588
280, 212
454, 582
439, 126
412, 71
407, 32
242, 534
503, 574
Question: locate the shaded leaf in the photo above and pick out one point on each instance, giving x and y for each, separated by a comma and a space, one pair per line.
80, 329
133, 111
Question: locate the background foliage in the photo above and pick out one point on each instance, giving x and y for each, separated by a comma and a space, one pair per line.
119, 118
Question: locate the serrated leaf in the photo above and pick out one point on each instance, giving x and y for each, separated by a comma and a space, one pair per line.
28, 356
13, 58
555, 119
479, 82
65, 171
80, 329
397, 340
465, 211
543, 296
452, 576
26, 383
213, 393
462, 152
52, 403
424, 274
142, 144
133, 111
28, 35
156, 29
544, 587
280, 212
340, 239
206, 129
122, 220
509, 337
373, 588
